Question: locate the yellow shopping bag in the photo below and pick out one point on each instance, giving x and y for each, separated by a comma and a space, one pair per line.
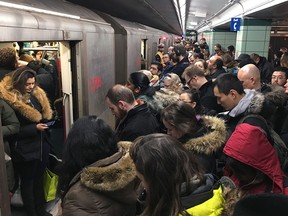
50, 185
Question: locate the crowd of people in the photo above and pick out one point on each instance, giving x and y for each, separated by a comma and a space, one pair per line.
199, 133
195, 134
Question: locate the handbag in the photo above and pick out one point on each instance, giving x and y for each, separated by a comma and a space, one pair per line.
50, 185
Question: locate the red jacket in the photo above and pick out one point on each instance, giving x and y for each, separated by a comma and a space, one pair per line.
249, 145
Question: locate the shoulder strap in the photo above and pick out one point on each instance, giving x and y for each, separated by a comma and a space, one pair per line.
258, 121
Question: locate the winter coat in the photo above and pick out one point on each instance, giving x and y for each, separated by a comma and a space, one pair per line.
107, 187
207, 142
166, 97
207, 97
139, 121
266, 70
233, 116
30, 110
206, 199
249, 145
10, 127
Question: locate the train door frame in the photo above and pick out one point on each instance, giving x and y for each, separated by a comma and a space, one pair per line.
144, 53
66, 77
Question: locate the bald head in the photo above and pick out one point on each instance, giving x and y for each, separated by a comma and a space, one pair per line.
249, 75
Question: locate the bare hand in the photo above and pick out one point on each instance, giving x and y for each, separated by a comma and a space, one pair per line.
41, 127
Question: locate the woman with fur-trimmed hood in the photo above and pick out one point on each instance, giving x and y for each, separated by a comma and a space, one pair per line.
204, 136
31, 151
98, 176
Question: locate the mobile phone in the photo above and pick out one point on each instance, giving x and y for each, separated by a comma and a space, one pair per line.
50, 123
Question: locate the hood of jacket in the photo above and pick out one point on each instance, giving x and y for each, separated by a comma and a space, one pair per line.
267, 103
20, 102
212, 141
249, 145
166, 96
111, 174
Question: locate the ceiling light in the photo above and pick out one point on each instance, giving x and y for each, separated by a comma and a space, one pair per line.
37, 10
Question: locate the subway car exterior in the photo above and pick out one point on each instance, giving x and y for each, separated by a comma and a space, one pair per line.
96, 51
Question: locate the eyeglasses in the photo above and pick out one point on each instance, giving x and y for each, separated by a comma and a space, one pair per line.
188, 82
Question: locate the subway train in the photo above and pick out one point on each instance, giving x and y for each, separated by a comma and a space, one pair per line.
95, 50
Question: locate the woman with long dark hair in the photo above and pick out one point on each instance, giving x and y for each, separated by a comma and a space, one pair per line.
173, 181
98, 176
30, 154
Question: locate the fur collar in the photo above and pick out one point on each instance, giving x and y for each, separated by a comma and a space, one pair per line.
212, 141
19, 102
112, 177
166, 96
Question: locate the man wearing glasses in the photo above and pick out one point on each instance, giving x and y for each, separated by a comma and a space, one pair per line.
195, 79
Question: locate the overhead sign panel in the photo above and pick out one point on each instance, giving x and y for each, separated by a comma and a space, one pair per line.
235, 24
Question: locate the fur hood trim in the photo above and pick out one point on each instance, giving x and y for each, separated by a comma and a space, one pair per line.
166, 96
276, 96
211, 142
112, 177
256, 104
19, 102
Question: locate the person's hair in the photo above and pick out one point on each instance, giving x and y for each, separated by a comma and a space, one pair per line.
181, 116
241, 169
284, 60
173, 58
175, 80
282, 69
119, 92
219, 63
141, 81
194, 96
225, 82
192, 71
8, 58
166, 166
159, 65
179, 50
89, 140
26, 57
231, 48
20, 76
218, 46
254, 56
205, 64
227, 59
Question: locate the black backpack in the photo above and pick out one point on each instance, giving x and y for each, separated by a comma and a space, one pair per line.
278, 144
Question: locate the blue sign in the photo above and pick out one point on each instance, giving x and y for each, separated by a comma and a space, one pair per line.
235, 24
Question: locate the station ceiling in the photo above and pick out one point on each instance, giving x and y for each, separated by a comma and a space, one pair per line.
198, 14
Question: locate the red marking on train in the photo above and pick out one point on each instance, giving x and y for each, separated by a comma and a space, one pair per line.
95, 83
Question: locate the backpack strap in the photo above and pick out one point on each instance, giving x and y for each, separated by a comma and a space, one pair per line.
258, 121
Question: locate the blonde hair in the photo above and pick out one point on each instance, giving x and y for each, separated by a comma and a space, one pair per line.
175, 82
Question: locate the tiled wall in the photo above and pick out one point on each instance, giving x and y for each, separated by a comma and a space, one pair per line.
253, 37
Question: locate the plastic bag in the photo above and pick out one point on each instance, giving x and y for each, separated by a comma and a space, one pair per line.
50, 185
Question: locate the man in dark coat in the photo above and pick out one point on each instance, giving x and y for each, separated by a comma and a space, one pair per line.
195, 79
133, 119
264, 66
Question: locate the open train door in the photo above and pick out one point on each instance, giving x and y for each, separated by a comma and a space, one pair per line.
66, 77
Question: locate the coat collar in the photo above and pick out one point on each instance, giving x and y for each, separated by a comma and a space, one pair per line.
211, 142
20, 104
111, 174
